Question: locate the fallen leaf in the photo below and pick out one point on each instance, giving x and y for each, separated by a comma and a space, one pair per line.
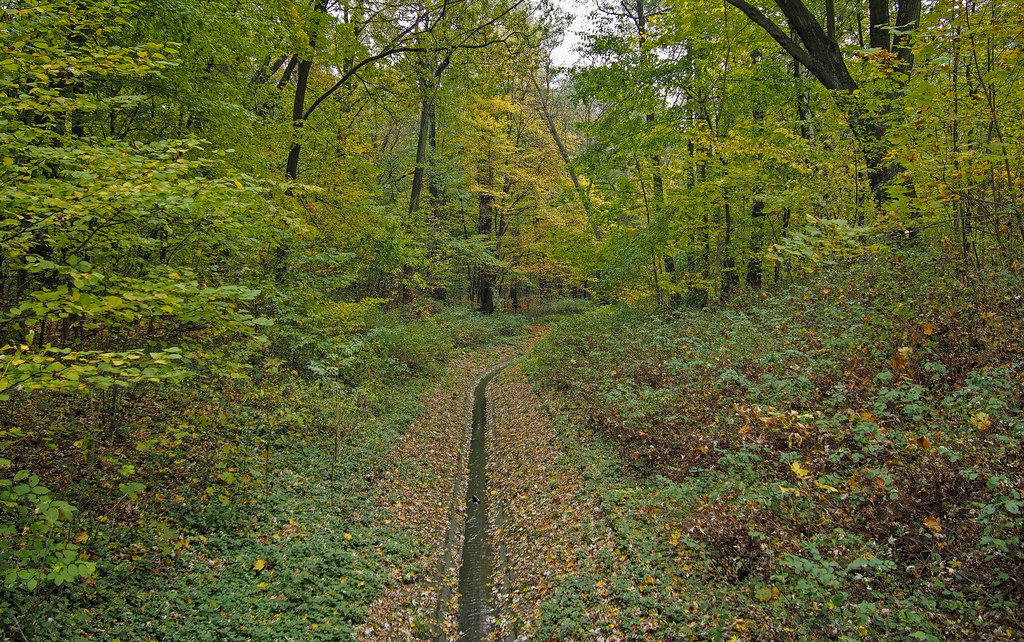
828, 487
932, 524
799, 470
902, 358
981, 420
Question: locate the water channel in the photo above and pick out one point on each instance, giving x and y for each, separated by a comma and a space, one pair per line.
475, 572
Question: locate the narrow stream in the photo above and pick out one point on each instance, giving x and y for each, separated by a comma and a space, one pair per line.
475, 572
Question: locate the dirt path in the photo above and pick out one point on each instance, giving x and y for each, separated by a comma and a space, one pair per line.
428, 465
544, 525
548, 526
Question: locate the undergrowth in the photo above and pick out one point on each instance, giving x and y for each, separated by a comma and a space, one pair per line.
837, 460
228, 508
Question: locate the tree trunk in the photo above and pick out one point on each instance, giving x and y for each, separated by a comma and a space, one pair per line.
754, 268
291, 171
730, 280
782, 234
422, 142
485, 225
879, 29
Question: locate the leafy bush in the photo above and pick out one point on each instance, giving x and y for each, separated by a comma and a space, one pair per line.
470, 329
35, 539
244, 504
416, 347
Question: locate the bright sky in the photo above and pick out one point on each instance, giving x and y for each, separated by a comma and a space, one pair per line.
564, 55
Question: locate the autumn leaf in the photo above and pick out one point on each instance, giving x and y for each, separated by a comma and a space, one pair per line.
981, 420
828, 487
932, 524
902, 358
259, 565
799, 470
927, 328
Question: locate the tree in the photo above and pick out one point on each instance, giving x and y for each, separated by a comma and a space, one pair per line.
105, 246
463, 30
821, 54
961, 140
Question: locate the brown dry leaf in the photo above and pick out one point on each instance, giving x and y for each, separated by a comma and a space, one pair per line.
932, 524
902, 358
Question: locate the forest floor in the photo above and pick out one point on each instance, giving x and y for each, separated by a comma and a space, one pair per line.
428, 464
838, 463
548, 525
543, 524
547, 522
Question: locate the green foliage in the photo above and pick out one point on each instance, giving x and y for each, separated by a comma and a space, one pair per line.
844, 450
962, 139
109, 249
35, 534
233, 502
822, 242
470, 329
409, 348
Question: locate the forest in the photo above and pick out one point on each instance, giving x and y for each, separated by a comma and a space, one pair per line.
753, 271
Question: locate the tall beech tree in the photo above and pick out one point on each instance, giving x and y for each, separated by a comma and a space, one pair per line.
817, 49
466, 28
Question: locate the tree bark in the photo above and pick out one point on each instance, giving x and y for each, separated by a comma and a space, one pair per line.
754, 269
730, 280
879, 30
291, 171
485, 226
422, 142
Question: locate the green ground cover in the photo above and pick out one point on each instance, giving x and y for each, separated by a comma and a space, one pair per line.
840, 459
227, 508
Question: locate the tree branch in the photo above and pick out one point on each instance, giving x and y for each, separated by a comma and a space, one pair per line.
773, 30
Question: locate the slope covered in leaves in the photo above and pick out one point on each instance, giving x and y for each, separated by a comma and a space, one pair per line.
839, 459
